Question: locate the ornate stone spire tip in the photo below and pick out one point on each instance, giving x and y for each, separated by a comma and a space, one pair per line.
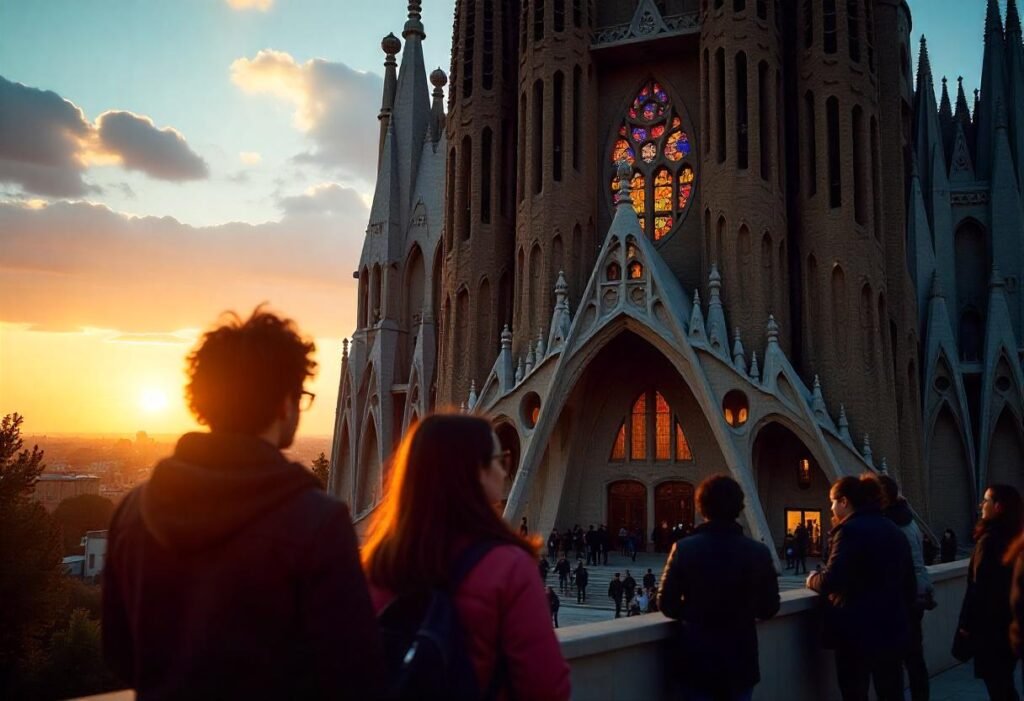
391, 44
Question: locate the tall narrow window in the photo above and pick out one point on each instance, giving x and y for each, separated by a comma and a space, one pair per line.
762, 9
706, 99
449, 224
853, 29
662, 428
538, 136
742, 142
683, 451
577, 77
486, 158
521, 127
507, 167
468, 49
739, 5
828, 17
638, 430
619, 446
524, 20
808, 24
538, 20
488, 74
720, 104
869, 32
577, 13
835, 180
465, 177
876, 213
780, 132
559, 15
557, 104
764, 136
810, 129
860, 198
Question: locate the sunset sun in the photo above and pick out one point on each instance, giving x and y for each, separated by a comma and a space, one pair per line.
152, 400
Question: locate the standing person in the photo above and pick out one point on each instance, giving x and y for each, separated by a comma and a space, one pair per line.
578, 542
985, 615
615, 593
603, 542
553, 544
930, 550
629, 587
553, 604
624, 539
897, 510
649, 580
562, 567
567, 542
591, 542
870, 584
441, 507
524, 530
801, 539
947, 548
545, 567
718, 582
582, 577
788, 549
186, 569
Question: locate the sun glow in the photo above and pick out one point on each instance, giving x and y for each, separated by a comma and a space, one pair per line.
152, 400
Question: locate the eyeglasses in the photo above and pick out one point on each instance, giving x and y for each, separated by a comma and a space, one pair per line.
306, 400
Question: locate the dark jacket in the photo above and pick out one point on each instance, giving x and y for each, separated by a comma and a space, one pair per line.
230, 574
582, 577
985, 613
1017, 608
869, 587
615, 589
717, 583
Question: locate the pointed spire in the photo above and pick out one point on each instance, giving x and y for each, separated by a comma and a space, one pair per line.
718, 334
993, 20
773, 331
506, 369
438, 79
561, 318
738, 356
924, 67
866, 450
963, 112
472, 394
945, 106
624, 172
541, 351
697, 329
520, 371
414, 25
344, 350
755, 371
818, 399
391, 45
506, 337
531, 359
844, 425
1012, 20
884, 468
993, 88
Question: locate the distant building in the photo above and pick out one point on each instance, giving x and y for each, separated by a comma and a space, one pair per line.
52, 489
95, 544
73, 565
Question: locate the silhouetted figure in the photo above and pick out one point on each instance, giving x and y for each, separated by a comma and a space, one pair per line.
524, 530
603, 543
870, 588
553, 604
553, 544
205, 559
985, 616
591, 543
582, 578
628, 587
544, 567
718, 583
649, 580
615, 593
948, 546
562, 567
801, 541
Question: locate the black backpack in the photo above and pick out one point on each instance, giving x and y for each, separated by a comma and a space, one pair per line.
424, 644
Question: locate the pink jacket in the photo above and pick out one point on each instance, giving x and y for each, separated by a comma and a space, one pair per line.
502, 606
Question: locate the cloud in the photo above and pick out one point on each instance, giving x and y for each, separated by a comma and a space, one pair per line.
328, 198
334, 105
159, 153
72, 265
47, 144
261, 5
250, 158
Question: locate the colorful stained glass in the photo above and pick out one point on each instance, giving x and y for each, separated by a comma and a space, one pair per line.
662, 191
676, 122
631, 250
662, 226
659, 94
619, 447
637, 185
677, 146
615, 184
623, 150
648, 152
636, 270
686, 176
662, 424
651, 110
613, 272
622, 130
684, 195
682, 445
638, 429
639, 135
657, 131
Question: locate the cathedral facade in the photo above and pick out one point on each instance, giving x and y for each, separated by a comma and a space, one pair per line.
653, 241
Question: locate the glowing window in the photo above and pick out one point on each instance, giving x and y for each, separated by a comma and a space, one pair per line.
682, 445
652, 140
613, 272
735, 408
638, 432
636, 270
619, 447
662, 428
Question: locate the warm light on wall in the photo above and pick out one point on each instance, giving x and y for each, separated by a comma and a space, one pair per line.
735, 408
804, 473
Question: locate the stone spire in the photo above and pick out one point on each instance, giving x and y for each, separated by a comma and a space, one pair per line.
561, 318
344, 351
993, 88
718, 335
866, 451
818, 399
520, 371
506, 368
946, 119
739, 360
541, 350
963, 111
414, 25
844, 425
472, 395
391, 45
773, 331
697, 330
531, 359
411, 115
624, 196
1015, 82
755, 371
884, 467
927, 130
438, 79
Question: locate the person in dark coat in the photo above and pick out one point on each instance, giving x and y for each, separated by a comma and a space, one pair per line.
615, 593
870, 589
628, 587
801, 541
562, 567
602, 543
947, 548
649, 580
553, 540
591, 541
985, 616
718, 583
582, 578
544, 566
207, 560
553, 604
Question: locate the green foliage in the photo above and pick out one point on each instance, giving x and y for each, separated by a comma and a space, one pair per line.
75, 516
19, 468
322, 468
74, 666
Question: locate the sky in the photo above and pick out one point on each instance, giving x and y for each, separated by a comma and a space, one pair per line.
161, 162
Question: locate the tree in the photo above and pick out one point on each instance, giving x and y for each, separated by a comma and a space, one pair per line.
322, 468
31, 583
74, 666
75, 516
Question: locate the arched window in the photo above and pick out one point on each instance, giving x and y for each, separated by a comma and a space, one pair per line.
742, 118
467, 51
488, 77
486, 157
559, 15
650, 432
557, 104
828, 16
538, 20
853, 28
663, 181
538, 137
835, 180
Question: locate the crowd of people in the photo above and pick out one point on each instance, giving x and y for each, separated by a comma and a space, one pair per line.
232, 573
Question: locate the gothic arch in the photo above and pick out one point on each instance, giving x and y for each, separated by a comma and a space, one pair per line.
368, 477
1006, 451
950, 490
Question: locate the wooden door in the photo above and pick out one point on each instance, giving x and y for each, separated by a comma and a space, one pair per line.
673, 503
627, 506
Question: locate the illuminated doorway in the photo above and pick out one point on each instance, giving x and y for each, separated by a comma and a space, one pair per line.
673, 504
627, 506
812, 519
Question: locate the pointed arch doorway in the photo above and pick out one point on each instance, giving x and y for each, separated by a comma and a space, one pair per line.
627, 506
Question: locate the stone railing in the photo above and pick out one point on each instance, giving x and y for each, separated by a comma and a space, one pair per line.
622, 658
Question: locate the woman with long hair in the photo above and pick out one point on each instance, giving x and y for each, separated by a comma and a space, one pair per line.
442, 497
985, 614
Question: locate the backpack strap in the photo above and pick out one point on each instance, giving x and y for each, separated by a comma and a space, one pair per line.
469, 558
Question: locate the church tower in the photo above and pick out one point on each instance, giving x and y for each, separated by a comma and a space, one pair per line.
479, 236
